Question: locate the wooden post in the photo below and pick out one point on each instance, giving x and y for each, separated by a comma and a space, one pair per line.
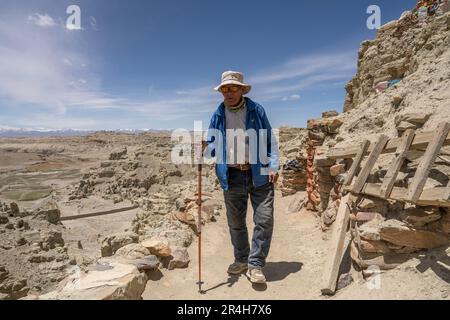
357, 162
391, 175
371, 160
331, 271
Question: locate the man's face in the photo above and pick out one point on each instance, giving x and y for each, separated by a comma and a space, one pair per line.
232, 94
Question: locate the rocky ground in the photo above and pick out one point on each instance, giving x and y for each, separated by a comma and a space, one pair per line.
126, 183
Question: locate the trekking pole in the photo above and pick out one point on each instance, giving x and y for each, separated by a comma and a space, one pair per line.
200, 222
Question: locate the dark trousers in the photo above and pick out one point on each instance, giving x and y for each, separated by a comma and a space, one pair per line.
262, 200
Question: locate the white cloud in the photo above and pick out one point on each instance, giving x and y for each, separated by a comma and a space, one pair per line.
42, 20
68, 62
307, 66
302, 73
293, 97
45, 69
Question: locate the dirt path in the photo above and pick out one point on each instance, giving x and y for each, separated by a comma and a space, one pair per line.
294, 261
293, 270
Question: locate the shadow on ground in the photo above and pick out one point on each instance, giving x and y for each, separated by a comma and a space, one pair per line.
274, 271
438, 261
277, 271
232, 279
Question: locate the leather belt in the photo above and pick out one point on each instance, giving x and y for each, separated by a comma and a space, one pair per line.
242, 167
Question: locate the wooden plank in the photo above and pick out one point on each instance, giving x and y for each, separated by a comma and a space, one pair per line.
416, 187
371, 160
357, 162
336, 252
430, 197
420, 141
391, 175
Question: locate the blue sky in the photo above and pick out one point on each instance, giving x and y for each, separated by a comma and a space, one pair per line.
152, 64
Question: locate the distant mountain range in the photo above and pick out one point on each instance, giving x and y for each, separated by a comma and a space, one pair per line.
8, 132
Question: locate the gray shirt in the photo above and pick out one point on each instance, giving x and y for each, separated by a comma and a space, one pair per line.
234, 121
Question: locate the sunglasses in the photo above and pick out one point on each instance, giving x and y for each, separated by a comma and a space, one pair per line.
233, 89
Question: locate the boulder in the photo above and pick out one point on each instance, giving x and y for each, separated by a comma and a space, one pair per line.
363, 217
329, 125
179, 259
50, 239
118, 154
420, 216
382, 261
158, 246
330, 114
373, 205
399, 233
13, 288
48, 210
110, 244
369, 246
334, 125
14, 209
210, 206
133, 251
329, 215
178, 237
3, 219
106, 173
148, 263
337, 170
109, 281
403, 126
143, 263
371, 230
418, 119
106, 164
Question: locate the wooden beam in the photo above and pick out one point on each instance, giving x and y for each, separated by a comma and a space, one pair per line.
371, 160
392, 173
430, 197
357, 162
331, 271
417, 184
420, 141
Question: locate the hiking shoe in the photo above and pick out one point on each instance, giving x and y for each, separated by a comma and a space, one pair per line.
237, 268
256, 276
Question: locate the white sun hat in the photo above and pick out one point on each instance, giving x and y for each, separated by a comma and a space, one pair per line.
236, 78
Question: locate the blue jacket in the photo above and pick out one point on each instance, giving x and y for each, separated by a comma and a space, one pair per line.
256, 119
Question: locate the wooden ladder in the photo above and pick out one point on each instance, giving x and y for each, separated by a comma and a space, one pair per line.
433, 141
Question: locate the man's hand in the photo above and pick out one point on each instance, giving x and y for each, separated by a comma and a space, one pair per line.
273, 177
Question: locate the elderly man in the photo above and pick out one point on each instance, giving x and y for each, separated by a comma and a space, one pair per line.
240, 179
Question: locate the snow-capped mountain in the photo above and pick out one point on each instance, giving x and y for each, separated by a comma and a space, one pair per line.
11, 132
